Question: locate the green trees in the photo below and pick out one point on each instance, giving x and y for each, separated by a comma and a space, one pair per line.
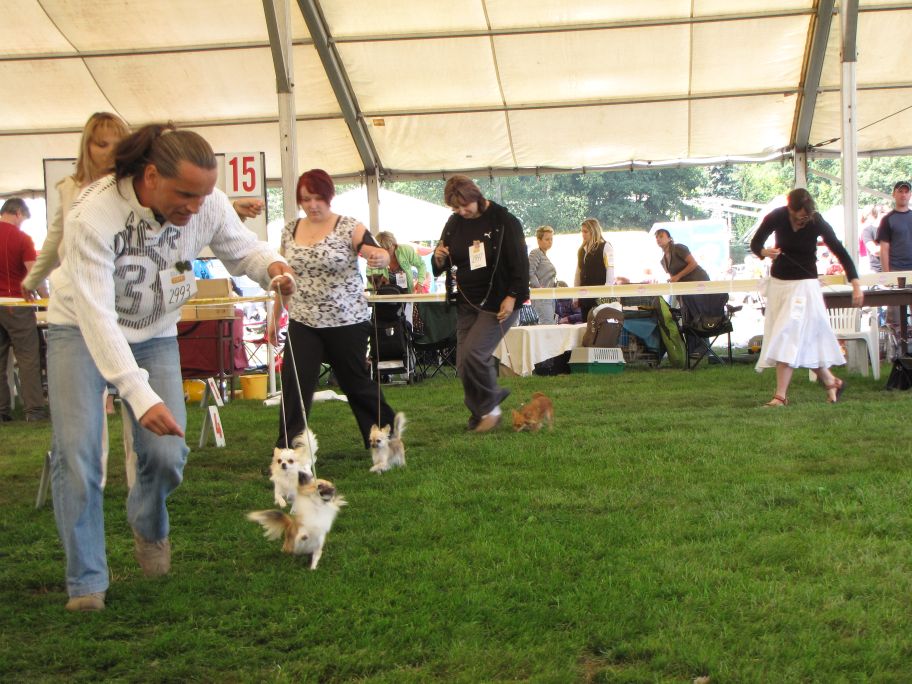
618, 199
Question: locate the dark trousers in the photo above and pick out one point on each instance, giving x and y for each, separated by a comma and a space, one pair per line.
477, 335
344, 348
19, 331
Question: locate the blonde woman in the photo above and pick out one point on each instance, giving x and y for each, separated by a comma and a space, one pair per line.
594, 262
100, 136
542, 273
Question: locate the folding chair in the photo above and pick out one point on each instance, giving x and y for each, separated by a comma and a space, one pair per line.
435, 347
701, 333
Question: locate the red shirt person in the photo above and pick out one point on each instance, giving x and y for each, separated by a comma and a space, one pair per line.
18, 324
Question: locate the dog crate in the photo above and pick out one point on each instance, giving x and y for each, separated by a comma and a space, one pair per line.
598, 360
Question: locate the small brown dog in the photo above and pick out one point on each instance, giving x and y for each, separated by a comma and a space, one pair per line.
531, 416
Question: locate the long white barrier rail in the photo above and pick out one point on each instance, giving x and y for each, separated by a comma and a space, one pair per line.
662, 289
590, 291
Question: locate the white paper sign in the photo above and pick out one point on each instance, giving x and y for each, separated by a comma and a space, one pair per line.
213, 388
217, 426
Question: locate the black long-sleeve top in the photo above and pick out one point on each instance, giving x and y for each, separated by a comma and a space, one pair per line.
798, 260
506, 270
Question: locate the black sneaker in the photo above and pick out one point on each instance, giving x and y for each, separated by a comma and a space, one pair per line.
6, 418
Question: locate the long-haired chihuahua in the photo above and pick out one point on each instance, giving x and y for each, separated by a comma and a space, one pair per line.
304, 530
387, 448
287, 464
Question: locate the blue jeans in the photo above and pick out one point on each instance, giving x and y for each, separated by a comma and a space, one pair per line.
74, 385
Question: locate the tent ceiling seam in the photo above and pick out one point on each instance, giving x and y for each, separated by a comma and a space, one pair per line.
500, 88
482, 109
111, 107
570, 28
143, 52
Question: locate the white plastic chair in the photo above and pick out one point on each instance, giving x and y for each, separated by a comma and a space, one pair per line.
846, 323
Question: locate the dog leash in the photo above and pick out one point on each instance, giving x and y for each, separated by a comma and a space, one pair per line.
465, 298
279, 304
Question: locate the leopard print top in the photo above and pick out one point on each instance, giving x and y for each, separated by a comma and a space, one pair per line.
330, 290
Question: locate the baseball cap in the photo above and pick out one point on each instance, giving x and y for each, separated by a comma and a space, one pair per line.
902, 184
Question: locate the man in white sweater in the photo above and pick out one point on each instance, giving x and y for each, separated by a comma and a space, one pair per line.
113, 318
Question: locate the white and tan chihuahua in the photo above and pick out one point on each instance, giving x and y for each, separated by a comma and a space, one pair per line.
287, 464
387, 448
304, 530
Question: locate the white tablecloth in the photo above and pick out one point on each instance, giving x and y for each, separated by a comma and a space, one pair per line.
531, 344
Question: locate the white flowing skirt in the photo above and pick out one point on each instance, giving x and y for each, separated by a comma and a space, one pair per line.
796, 329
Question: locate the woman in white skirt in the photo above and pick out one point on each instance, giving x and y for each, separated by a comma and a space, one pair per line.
796, 330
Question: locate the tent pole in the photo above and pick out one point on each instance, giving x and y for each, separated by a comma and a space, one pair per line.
801, 169
848, 14
372, 180
278, 24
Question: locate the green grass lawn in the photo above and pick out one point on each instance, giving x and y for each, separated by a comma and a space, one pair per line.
668, 528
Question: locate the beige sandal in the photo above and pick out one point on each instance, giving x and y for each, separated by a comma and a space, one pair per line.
777, 401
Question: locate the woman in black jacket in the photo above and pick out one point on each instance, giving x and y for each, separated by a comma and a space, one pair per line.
485, 244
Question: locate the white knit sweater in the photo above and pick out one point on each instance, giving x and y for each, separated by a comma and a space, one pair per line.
108, 281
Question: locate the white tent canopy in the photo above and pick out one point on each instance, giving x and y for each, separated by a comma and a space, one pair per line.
418, 89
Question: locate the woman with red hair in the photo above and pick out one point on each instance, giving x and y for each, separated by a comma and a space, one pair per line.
329, 314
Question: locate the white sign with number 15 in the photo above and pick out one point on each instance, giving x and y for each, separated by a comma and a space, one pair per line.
243, 175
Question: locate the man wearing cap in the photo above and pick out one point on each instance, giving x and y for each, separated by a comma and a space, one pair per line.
895, 232
895, 239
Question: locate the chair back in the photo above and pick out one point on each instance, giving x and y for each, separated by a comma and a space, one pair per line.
845, 320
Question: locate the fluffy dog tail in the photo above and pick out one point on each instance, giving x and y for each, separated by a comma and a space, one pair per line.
398, 425
307, 441
275, 523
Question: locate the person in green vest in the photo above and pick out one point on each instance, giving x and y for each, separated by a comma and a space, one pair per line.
403, 259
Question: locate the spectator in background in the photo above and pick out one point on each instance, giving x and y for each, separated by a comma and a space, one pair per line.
406, 269
870, 217
565, 310
594, 262
895, 238
542, 273
18, 326
100, 136
895, 232
681, 267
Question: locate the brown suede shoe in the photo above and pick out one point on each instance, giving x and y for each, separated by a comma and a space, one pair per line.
87, 602
154, 557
